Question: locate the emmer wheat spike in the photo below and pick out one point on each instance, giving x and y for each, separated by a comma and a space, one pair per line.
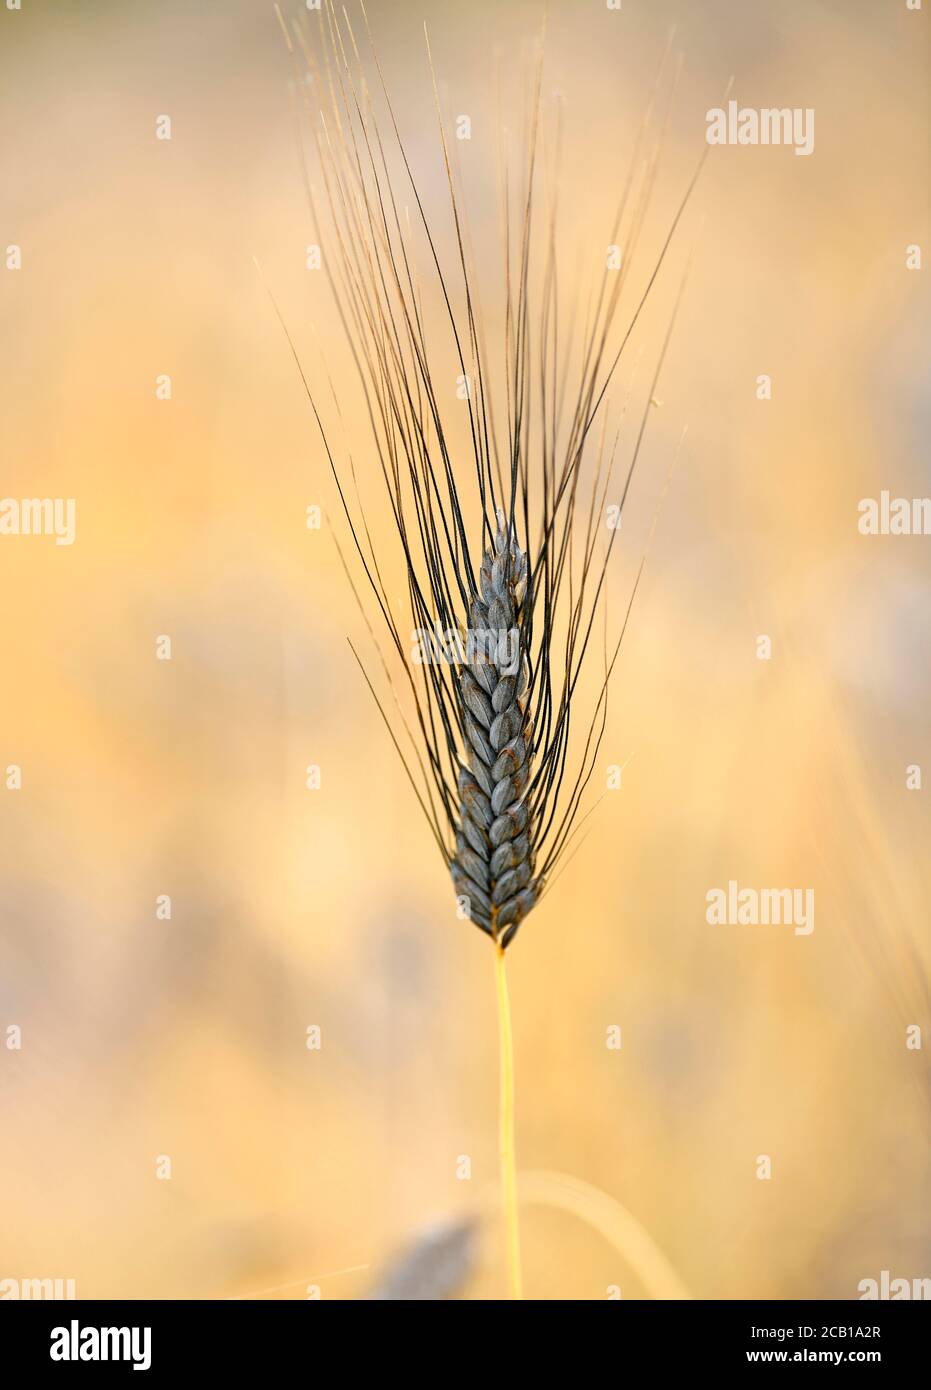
499, 536
494, 860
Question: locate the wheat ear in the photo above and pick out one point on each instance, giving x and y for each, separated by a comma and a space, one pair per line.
494, 760
493, 864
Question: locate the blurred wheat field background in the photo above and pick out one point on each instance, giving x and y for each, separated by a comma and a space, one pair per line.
293, 908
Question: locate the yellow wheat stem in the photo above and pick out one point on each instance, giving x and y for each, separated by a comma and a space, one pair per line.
506, 1128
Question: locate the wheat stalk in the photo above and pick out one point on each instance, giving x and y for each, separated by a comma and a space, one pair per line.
499, 549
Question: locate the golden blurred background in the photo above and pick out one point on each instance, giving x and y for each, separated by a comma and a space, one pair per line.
290, 908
